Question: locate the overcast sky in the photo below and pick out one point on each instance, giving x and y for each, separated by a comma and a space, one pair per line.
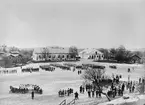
83, 23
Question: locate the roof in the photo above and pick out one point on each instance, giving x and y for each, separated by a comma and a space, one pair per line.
134, 55
1, 52
90, 51
14, 52
52, 50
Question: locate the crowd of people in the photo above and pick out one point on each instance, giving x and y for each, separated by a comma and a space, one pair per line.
91, 90
116, 90
130, 86
116, 78
64, 92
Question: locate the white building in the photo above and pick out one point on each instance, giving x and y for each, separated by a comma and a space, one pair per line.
91, 54
51, 54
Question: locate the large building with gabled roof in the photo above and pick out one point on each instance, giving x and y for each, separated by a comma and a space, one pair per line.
91, 54
51, 54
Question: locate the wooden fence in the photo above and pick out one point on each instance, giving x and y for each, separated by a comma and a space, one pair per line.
70, 103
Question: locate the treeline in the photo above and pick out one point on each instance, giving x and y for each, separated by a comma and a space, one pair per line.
120, 54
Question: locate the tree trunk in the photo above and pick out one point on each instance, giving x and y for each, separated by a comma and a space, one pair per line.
103, 92
106, 96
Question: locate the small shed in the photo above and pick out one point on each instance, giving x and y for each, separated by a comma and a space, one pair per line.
135, 59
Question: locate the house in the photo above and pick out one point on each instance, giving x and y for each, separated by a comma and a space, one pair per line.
135, 59
15, 56
94, 54
7, 59
51, 54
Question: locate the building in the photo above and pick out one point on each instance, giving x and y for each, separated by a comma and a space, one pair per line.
51, 54
7, 59
15, 57
94, 54
135, 59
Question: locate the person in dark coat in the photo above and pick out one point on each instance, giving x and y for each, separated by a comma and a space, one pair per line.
76, 95
89, 94
112, 86
81, 89
97, 93
130, 89
32, 95
93, 93
123, 86
139, 80
133, 87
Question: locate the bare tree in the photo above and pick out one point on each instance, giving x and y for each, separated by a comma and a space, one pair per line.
45, 53
73, 51
95, 76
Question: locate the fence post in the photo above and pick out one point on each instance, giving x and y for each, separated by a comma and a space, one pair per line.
63, 102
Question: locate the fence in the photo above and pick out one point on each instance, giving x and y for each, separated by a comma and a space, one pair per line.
70, 103
63, 102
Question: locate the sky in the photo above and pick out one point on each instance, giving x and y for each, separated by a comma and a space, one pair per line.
81, 23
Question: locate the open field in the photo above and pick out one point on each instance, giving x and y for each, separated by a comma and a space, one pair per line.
52, 82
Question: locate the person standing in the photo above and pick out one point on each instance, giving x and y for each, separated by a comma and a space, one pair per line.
97, 92
130, 89
92, 93
81, 89
32, 95
123, 86
89, 94
133, 87
76, 95
139, 80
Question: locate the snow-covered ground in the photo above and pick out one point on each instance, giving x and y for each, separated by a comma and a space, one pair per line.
133, 100
52, 82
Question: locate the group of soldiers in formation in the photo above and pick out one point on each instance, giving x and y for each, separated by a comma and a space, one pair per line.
63, 92
7, 71
47, 68
64, 67
26, 88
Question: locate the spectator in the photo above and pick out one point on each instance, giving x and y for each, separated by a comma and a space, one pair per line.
89, 94
32, 95
133, 87
92, 93
76, 95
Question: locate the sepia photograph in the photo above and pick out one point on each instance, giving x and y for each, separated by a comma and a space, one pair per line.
72, 52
